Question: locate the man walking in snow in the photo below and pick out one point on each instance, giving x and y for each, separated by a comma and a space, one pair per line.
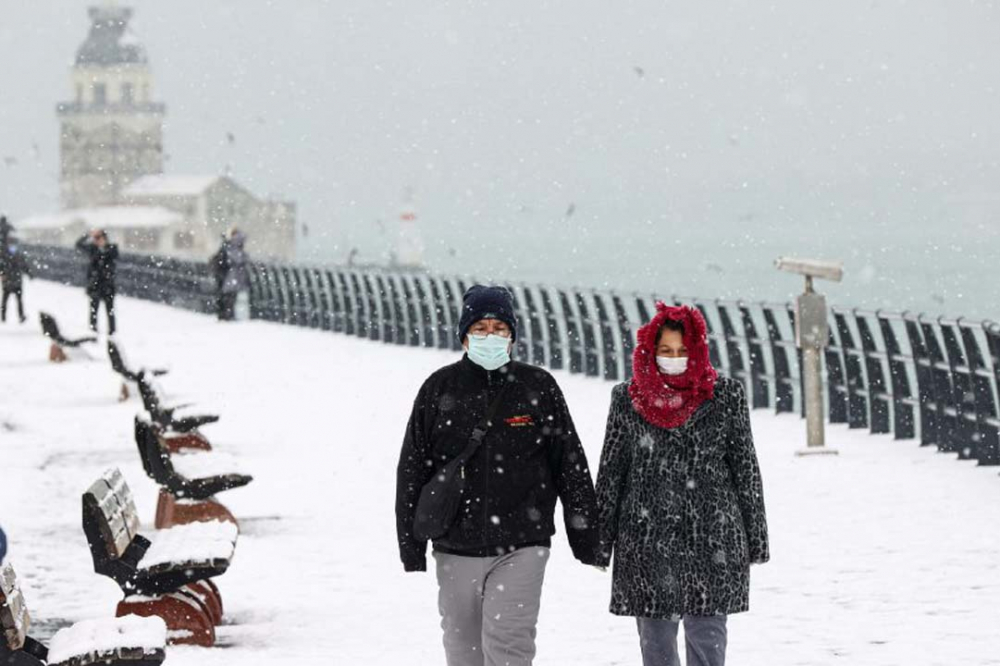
5, 229
14, 267
234, 282
491, 558
101, 268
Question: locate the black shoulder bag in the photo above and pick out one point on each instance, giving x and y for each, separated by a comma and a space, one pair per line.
441, 497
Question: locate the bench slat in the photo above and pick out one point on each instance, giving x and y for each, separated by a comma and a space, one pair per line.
14, 615
114, 527
116, 481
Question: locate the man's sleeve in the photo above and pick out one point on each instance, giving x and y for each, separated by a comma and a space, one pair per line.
414, 470
573, 481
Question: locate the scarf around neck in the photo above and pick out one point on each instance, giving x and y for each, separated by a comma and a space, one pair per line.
664, 400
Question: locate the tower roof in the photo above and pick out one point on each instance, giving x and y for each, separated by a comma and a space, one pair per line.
110, 42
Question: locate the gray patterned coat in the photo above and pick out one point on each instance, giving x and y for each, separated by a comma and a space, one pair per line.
681, 508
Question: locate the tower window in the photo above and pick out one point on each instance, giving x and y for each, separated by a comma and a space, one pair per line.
100, 93
126, 93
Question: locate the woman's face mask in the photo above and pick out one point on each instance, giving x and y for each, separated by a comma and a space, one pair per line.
489, 351
672, 366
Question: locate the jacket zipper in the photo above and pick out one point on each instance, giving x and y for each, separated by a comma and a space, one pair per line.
486, 469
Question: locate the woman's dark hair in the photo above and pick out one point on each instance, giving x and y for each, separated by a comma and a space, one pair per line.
669, 325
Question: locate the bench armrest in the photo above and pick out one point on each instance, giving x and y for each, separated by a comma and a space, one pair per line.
35, 649
136, 550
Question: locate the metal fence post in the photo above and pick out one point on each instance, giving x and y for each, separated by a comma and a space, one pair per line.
987, 425
878, 397
784, 391
857, 402
759, 393
903, 401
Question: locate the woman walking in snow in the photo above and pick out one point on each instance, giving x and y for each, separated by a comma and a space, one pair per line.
679, 494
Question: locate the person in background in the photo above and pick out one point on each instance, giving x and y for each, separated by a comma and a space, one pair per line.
491, 561
236, 284
3, 545
15, 267
218, 263
101, 269
680, 494
5, 230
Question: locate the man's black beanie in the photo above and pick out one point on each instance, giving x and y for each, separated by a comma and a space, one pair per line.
481, 302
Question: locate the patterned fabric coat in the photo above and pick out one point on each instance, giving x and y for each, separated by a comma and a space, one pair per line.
682, 509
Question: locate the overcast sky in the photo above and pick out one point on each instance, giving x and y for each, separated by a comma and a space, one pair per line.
600, 138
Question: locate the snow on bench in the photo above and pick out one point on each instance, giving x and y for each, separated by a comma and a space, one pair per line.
200, 465
14, 618
191, 543
166, 573
172, 417
130, 638
185, 476
111, 523
120, 364
133, 640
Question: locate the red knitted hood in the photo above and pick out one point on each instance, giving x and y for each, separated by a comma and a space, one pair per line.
668, 401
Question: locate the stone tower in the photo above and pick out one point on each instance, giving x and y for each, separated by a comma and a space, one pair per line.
112, 132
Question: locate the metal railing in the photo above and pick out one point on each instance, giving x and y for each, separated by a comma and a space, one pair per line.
909, 375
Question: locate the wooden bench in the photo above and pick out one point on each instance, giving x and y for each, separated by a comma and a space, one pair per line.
127, 641
168, 417
120, 366
188, 483
166, 573
57, 350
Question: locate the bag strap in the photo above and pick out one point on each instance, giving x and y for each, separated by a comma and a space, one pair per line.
479, 432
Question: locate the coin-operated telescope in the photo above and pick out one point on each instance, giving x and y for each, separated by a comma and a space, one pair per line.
812, 334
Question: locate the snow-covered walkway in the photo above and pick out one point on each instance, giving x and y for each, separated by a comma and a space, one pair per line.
888, 554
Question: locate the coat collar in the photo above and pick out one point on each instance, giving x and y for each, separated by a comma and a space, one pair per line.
489, 377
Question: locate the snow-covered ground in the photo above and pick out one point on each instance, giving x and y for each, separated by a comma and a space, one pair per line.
888, 554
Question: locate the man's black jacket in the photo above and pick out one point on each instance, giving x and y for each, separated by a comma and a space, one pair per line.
101, 266
13, 271
530, 456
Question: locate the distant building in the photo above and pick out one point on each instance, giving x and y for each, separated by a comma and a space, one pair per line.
112, 132
176, 216
135, 229
111, 158
210, 205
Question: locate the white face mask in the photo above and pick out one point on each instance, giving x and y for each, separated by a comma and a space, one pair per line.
489, 351
672, 366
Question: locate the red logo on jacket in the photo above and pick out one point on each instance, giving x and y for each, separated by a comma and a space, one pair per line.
520, 421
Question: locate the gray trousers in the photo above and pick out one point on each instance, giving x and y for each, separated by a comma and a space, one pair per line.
489, 606
705, 638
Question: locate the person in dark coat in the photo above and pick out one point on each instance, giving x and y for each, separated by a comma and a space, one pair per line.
103, 259
680, 494
15, 267
3, 545
237, 275
219, 265
491, 562
5, 230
